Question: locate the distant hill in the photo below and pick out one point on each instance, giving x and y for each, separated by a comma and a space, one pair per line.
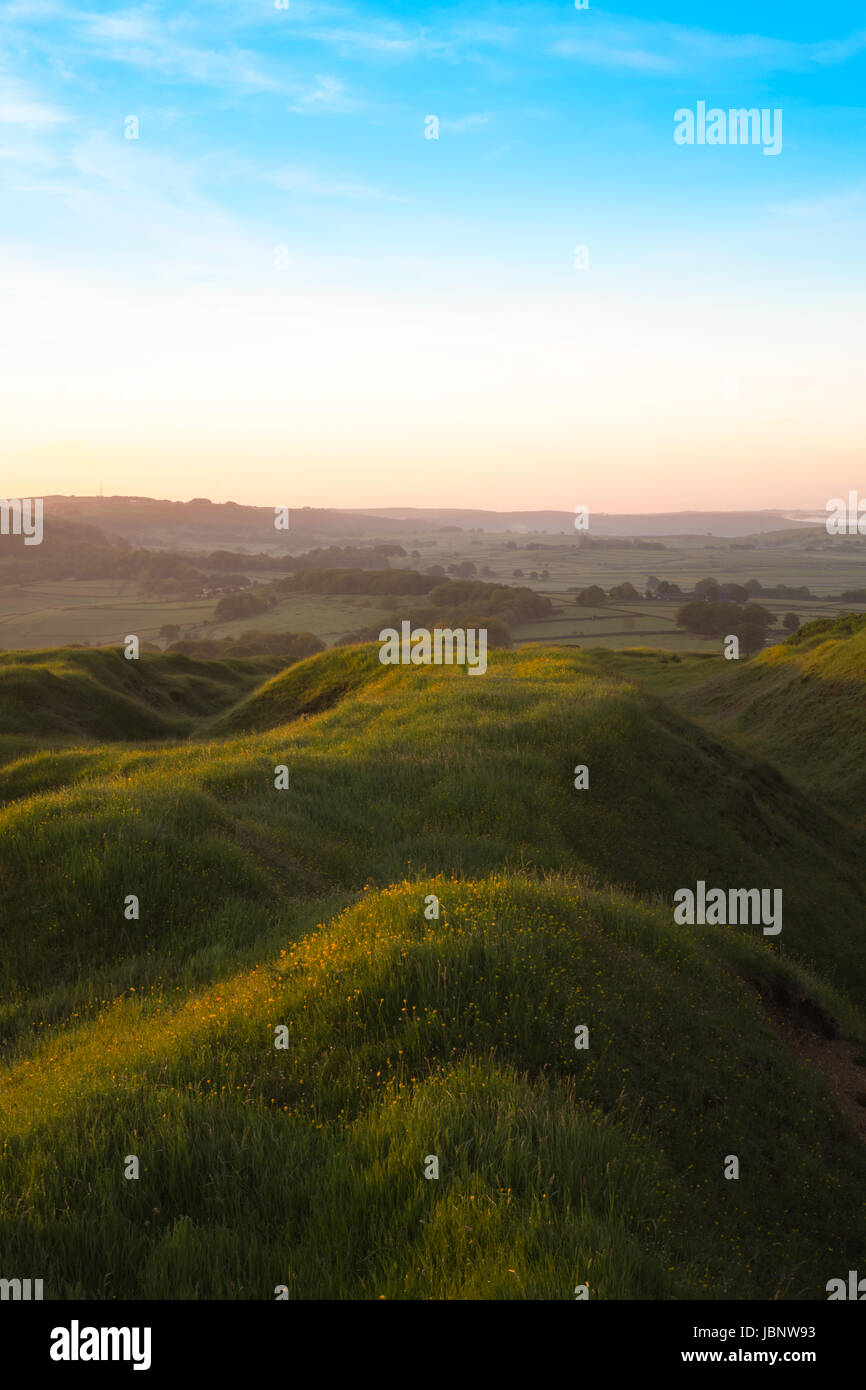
601, 523
203, 525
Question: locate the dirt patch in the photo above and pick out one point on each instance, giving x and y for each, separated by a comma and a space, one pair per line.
812, 1036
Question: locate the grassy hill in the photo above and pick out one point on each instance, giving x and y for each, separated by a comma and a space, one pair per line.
452, 1038
98, 694
802, 704
410, 1036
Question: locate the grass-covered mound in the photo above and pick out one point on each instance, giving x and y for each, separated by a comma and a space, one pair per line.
803, 705
307, 688
98, 694
430, 771
454, 1037
411, 1036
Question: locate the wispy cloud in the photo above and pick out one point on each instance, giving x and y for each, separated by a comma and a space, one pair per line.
657, 46
28, 153
830, 207
156, 44
391, 40
295, 180
327, 96
464, 123
19, 107
613, 55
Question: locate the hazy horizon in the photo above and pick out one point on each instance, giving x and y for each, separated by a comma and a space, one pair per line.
800, 514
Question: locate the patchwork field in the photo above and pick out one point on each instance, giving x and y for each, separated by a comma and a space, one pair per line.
101, 612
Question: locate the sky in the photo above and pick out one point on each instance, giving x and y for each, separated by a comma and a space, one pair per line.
282, 291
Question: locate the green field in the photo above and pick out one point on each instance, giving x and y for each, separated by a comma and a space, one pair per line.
102, 612
413, 1035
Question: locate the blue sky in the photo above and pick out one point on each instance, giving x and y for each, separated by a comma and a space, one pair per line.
427, 338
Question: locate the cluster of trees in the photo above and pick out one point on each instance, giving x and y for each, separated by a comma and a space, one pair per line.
292, 646
498, 632
244, 605
747, 621
357, 581
71, 550
506, 601
591, 596
657, 588
594, 595
712, 590
618, 543
466, 569
623, 591
465, 603
323, 557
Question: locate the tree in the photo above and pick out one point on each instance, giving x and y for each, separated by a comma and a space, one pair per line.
737, 593
591, 597
756, 613
748, 621
707, 588
233, 606
790, 622
751, 637
170, 630
624, 591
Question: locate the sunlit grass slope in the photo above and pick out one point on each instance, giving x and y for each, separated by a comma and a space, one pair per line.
307, 688
418, 771
98, 694
803, 705
412, 1036
454, 1037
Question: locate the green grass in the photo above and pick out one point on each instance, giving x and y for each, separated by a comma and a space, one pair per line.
802, 705
411, 1036
433, 772
100, 694
454, 1037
